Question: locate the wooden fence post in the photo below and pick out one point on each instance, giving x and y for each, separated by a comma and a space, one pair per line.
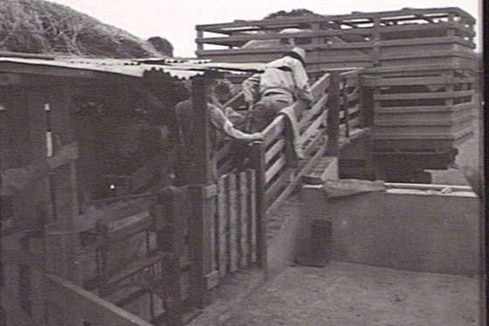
171, 239
333, 123
201, 222
258, 164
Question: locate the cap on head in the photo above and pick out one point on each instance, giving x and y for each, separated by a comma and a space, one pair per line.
300, 51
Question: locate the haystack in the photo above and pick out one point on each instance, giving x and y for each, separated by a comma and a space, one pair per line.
37, 26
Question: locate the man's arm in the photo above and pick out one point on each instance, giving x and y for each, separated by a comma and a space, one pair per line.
221, 123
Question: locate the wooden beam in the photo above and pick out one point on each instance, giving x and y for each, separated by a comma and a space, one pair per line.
333, 118
83, 306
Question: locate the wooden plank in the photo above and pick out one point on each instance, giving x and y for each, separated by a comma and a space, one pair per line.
333, 115
223, 151
273, 130
233, 223
418, 96
351, 96
258, 164
127, 227
427, 54
244, 218
313, 128
314, 143
223, 225
428, 80
425, 109
251, 184
353, 123
113, 281
273, 189
426, 41
83, 306
316, 109
274, 150
227, 166
321, 85
275, 168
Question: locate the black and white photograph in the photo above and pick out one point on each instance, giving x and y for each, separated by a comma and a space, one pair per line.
242, 163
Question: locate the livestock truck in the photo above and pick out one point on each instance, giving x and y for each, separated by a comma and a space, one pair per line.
417, 79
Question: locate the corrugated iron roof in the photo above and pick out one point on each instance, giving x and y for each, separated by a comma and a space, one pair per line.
177, 68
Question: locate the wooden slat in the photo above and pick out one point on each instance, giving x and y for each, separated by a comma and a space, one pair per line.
274, 188
353, 123
84, 306
275, 128
233, 223
428, 54
223, 151
227, 166
124, 228
425, 109
353, 96
274, 150
313, 128
418, 96
318, 140
321, 85
243, 217
352, 111
251, 180
308, 114
423, 122
428, 80
275, 168
223, 226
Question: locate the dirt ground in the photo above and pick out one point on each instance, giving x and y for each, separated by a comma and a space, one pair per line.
345, 294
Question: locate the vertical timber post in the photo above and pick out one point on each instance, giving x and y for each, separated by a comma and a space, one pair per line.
200, 223
62, 244
333, 124
258, 164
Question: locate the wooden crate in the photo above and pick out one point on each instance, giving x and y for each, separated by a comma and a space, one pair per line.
422, 109
402, 37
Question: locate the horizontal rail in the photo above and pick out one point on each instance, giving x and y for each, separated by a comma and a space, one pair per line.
79, 306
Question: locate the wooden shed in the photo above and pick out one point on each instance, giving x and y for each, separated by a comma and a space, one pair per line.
90, 244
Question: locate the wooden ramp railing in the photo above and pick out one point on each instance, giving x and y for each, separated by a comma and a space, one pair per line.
328, 123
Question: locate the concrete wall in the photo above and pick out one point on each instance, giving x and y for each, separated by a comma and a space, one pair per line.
416, 230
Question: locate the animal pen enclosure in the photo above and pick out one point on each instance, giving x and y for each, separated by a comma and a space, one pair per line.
109, 240
90, 235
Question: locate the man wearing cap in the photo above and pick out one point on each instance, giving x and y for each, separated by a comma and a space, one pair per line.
283, 82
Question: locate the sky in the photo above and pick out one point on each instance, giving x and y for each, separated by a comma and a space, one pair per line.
175, 20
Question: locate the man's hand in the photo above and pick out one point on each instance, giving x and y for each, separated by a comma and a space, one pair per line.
65, 155
256, 136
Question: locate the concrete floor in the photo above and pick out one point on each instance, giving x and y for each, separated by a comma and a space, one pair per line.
345, 294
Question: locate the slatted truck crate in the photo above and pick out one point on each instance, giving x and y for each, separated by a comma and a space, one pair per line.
418, 84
